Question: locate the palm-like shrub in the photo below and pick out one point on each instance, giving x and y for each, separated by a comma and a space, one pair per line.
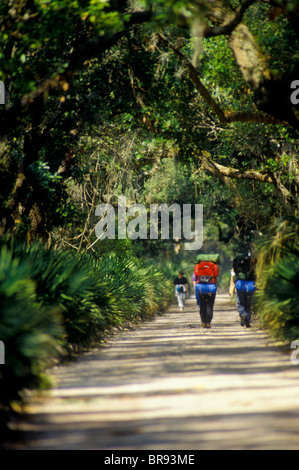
90, 296
278, 280
95, 294
64, 280
54, 301
283, 233
133, 288
30, 332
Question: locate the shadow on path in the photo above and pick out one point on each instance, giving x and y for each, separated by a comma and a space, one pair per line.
172, 385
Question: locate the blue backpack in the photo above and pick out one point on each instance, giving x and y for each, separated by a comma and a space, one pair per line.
180, 289
206, 288
245, 286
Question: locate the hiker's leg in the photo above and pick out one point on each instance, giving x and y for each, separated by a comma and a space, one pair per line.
180, 299
197, 295
210, 307
244, 307
203, 308
248, 306
241, 303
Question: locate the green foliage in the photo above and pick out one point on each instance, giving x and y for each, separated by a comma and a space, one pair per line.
43, 175
222, 75
64, 280
277, 280
278, 37
93, 294
171, 184
41, 31
135, 288
52, 302
280, 297
136, 96
31, 332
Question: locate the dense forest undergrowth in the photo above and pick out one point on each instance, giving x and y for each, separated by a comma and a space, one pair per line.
161, 102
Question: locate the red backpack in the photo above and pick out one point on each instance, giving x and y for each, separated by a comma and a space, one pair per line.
206, 272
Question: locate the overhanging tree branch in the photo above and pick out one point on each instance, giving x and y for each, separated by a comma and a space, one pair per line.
195, 79
271, 95
223, 173
224, 117
227, 28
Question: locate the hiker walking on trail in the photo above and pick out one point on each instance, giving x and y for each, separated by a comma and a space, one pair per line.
206, 271
244, 277
181, 289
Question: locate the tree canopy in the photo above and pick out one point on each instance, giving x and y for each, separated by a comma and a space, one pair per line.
99, 94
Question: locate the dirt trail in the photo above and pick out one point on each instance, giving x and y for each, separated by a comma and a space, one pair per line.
172, 385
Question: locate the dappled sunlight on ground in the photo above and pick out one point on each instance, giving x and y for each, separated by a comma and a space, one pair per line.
172, 385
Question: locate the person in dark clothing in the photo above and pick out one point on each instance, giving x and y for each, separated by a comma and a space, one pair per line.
244, 307
181, 289
206, 309
244, 278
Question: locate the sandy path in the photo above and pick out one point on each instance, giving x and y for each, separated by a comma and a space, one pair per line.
173, 385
